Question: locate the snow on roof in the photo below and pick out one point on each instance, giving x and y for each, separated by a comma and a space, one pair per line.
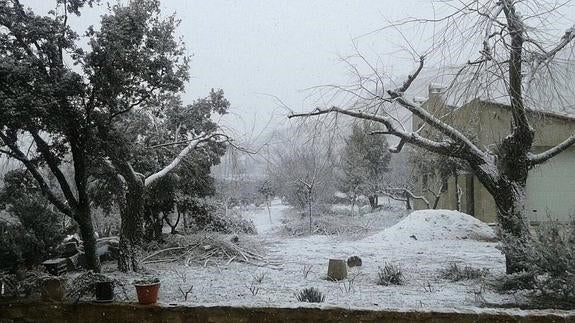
554, 114
429, 225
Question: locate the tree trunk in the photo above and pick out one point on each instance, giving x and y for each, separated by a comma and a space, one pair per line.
86, 228
509, 193
373, 202
268, 205
153, 224
131, 213
310, 213
131, 230
185, 221
173, 227
511, 215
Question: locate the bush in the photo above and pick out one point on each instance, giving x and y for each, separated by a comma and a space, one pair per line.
31, 230
390, 274
310, 295
549, 262
210, 217
454, 272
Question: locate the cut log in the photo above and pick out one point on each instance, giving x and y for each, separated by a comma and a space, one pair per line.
337, 269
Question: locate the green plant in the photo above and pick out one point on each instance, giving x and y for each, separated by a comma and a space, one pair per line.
548, 264
15, 285
454, 272
31, 229
310, 295
390, 274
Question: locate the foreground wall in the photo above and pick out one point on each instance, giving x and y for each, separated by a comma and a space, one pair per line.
125, 312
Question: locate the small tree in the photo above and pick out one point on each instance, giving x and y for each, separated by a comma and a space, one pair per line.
364, 162
303, 172
266, 190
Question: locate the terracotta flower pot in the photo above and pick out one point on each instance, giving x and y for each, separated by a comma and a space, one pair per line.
147, 293
104, 291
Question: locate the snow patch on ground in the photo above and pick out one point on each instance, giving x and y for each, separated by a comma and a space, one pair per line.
431, 225
421, 260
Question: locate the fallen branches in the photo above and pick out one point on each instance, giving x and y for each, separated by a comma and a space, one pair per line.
214, 248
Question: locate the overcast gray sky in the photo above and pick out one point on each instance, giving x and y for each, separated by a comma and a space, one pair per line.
252, 49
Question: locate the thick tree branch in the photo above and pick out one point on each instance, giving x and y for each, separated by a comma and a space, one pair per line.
410, 78
565, 40
442, 147
31, 167
535, 159
52, 162
521, 130
193, 144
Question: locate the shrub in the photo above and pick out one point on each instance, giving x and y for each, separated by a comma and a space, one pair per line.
549, 263
31, 230
390, 274
310, 295
454, 272
208, 216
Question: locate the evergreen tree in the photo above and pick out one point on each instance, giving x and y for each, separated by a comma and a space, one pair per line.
364, 162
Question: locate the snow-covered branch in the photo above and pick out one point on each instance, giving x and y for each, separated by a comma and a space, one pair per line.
442, 147
193, 143
565, 40
535, 159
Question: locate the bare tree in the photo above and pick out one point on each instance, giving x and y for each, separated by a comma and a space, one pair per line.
511, 46
302, 168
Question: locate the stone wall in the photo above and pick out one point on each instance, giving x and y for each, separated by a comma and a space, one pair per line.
126, 312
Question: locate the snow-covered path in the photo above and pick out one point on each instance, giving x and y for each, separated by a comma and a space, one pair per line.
268, 223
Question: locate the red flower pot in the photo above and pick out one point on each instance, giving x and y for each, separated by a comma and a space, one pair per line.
147, 293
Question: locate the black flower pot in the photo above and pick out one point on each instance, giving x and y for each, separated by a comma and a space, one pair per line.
104, 291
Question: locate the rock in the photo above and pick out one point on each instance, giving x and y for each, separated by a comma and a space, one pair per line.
337, 269
354, 261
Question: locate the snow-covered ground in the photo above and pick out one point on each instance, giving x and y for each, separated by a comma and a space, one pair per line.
421, 243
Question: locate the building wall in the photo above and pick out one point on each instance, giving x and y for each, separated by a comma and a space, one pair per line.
487, 124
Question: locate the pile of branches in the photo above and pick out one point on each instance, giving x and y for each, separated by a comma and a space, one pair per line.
209, 249
84, 285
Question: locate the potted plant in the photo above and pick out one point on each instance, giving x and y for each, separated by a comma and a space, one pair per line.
104, 291
147, 290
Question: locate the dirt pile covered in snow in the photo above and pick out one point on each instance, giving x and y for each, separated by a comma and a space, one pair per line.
428, 225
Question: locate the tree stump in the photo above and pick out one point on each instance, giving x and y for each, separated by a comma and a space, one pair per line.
337, 269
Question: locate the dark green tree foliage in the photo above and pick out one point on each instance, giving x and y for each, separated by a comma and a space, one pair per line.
42, 100
34, 228
364, 162
102, 114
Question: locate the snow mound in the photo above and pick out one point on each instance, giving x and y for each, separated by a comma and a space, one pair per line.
428, 225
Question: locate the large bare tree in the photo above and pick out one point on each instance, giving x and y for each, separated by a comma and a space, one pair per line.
517, 51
